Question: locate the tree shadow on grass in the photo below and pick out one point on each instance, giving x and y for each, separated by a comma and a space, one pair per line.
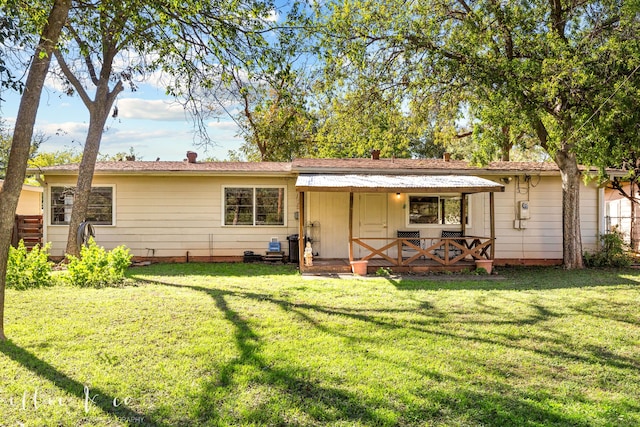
520, 278
92, 397
294, 384
293, 388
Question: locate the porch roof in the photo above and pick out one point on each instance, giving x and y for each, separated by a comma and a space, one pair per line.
395, 183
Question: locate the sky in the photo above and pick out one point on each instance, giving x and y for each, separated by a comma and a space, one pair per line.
148, 120
151, 123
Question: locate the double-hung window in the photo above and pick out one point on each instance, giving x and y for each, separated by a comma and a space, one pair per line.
441, 209
99, 212
254, 206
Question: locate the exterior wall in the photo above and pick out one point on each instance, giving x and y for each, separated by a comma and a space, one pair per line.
539, 239
618, 212
327, 223
30, 202
168, 216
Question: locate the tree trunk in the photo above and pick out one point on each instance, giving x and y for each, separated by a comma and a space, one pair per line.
506, 145
633, 229
97, 118
22, 136
571, 236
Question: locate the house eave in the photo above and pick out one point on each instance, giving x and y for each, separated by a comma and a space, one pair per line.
391, 183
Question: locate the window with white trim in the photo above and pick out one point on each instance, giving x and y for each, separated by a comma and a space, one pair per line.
430, 209
99, 212
254, 206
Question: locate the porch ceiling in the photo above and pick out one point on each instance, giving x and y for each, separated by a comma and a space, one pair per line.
396, 183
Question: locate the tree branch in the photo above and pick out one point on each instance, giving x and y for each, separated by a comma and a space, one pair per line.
72, 79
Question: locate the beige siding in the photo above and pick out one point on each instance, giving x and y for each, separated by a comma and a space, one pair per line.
590, 214
327, 221
540, 239
30, 202
168, 216
542, 236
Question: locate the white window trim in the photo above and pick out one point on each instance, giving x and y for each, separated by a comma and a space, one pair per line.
223, 206
49, 206
408, 224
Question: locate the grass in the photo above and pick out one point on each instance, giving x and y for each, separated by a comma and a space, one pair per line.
244, 344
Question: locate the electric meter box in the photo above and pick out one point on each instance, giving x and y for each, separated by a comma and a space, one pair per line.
523, 210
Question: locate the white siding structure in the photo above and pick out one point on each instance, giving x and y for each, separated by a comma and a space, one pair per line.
176, 210
175, 215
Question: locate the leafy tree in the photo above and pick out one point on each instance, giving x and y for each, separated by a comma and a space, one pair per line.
5, 146
259, 76
23, 132
529, 64
10, 33
276, 124
354, 123
53, 158
94, 37
195, 37
612, 136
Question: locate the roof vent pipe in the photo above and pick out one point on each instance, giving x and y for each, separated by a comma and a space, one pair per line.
191, 156
375, 154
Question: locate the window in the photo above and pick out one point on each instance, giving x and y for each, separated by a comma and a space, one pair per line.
434, 210
254, 206
99, 212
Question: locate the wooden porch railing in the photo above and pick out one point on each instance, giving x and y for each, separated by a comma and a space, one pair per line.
445, 250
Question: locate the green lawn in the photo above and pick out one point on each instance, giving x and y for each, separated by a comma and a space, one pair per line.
245, 344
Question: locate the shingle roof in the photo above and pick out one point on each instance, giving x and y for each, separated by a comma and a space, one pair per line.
358, 165
135, 167
408, 165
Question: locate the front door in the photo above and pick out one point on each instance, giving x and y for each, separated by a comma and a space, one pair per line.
372, 221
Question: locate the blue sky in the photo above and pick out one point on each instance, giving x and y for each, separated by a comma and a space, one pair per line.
148, 120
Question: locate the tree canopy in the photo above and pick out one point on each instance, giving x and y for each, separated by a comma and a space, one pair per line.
528, 67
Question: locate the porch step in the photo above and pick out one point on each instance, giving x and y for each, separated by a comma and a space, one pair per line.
274, 256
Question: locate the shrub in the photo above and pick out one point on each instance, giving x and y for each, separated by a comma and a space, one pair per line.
28, 269
97, 268
613, 253
383, 272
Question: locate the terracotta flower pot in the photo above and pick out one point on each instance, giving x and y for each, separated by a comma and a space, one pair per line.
487, 264
359, 267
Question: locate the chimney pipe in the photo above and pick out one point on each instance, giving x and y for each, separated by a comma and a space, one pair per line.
375, 154
191, 156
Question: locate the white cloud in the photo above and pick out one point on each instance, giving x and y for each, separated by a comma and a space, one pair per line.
223, 126
145, 109
273, 16
68, 130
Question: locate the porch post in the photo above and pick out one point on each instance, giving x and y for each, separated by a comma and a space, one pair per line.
492, 215
350, 226
301, 239
463, 213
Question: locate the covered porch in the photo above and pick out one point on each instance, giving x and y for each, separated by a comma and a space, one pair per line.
441, 246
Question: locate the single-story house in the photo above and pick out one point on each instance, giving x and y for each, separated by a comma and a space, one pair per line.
408, 214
